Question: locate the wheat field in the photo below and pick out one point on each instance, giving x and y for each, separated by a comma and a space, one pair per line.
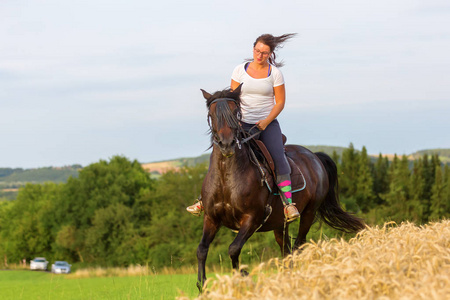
389, 262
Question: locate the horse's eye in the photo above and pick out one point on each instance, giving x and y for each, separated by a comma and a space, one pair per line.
238, 115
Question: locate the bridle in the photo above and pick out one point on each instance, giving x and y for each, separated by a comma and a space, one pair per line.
239, 132
241, 136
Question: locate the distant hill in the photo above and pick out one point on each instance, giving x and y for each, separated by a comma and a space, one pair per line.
327, 149
444, 154
160, 167
11, 179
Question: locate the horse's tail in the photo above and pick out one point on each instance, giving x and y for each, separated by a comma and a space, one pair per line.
330, 211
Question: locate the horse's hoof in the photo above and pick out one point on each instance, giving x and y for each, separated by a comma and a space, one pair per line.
200, 287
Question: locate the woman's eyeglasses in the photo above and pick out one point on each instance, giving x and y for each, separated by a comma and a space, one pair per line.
257, 52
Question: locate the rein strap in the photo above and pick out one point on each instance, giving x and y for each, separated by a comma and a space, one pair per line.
249, 138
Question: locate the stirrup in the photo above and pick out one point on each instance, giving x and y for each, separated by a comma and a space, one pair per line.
196, 208
291, 212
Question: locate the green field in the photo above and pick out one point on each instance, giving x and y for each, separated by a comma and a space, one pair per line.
42, 285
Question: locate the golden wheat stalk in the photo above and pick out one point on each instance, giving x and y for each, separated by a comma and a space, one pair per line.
391, 262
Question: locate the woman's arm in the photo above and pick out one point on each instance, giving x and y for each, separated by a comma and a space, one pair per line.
280, 99
234, 84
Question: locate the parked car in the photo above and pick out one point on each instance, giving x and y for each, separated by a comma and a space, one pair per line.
61, 267
39, 263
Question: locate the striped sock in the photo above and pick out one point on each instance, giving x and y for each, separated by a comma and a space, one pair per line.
285, 188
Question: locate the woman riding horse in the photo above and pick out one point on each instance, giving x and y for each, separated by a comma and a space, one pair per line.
234, 197
262, 100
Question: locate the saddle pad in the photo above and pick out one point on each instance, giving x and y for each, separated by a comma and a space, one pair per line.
298, 182
297, 178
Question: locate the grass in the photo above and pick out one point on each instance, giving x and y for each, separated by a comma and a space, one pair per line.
389, 262
41, 285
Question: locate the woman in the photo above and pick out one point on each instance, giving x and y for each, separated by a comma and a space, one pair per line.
262, 100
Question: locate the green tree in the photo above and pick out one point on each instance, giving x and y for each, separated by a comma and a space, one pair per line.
364, 182
170, 223
399, 206
5, 244
446, 193
348, 172
380, 178
67, 245
100, 217
416, 189
97, 187
28, 229
335, 157
439, 204
110, 238
429, 172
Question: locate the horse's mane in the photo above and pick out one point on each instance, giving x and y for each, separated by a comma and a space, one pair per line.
223, 112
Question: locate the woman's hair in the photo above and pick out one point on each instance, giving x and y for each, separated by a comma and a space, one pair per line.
274, 43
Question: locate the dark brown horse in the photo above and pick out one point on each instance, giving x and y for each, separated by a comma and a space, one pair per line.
234, 197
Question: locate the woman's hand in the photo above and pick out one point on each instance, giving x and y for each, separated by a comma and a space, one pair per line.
262, 124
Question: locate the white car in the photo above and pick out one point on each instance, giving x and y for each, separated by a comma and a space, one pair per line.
61, 267
39, 263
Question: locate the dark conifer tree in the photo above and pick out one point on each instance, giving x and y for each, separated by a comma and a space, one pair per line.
335, 158
429, 172
381, 178
399, 206
349, 172
416, 189
439, 204
364, 182
446, 193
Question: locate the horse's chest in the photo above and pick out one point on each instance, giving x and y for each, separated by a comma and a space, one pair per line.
232, 195
234, 187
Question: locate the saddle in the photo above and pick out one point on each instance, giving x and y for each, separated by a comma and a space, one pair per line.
298, 182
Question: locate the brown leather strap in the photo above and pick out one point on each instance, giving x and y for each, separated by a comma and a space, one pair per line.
268, 157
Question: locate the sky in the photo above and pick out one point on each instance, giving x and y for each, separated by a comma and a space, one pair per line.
82, 81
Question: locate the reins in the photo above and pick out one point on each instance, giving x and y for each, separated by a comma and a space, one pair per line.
251, 136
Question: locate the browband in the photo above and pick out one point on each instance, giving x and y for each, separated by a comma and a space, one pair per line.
223, 99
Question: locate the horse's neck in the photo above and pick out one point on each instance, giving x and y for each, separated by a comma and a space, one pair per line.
231, 165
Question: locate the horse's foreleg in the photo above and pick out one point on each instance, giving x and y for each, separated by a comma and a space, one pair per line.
248, 227
283, 240
210, 229
306, 220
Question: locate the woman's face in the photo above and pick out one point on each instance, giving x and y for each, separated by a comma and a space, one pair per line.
261, 53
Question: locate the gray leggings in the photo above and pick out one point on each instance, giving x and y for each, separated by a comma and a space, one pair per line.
272, 139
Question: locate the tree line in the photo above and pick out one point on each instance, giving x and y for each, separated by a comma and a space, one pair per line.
114, 214
397, 190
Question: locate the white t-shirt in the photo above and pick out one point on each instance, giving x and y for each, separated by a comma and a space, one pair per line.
257, 97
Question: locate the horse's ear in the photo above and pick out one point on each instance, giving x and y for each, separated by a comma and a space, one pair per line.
206, 95
237, 91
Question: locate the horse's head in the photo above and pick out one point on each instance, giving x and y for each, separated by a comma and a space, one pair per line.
224, 115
